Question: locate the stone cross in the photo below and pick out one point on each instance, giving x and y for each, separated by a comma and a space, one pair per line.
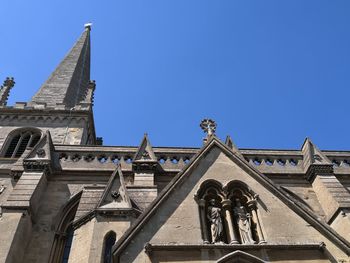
208, 126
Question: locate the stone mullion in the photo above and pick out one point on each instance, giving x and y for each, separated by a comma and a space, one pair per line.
30, 140
17, 146
201, 203
61, 249
226, 205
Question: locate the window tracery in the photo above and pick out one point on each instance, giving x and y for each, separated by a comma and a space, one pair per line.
228, 214
19, 141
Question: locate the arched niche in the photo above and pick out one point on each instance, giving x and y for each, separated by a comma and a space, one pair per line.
231, 208
245, 212
210, 191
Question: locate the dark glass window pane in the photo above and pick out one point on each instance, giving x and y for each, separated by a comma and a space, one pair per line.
12, 146
68, 245
35, 140
23, 145
109, 242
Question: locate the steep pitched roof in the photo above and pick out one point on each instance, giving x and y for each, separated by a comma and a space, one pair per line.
261, 178
68, 83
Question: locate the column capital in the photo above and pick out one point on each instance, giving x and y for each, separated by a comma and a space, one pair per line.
201, 202
226, 203
252, 205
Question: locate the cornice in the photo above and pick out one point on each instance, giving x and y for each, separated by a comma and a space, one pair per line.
149, 247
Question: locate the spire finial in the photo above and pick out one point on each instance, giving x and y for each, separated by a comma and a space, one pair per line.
208, 126
88, 26
5, 90
9, 82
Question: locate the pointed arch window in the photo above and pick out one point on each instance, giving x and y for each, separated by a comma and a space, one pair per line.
64, 231
68, 244
109, 241
19, 140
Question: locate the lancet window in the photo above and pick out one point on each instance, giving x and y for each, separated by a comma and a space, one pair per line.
229, 214
19, 141
109, 241
64, 231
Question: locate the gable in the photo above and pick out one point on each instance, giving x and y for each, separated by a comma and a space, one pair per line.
114, 195
176, 220
179, 217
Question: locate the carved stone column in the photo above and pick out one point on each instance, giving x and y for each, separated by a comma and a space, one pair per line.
231, 234
253, 207
203, 218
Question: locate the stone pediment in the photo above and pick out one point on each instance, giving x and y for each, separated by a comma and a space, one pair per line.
145, 152
175, 214
115, 195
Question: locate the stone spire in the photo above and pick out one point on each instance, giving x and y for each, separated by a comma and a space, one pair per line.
68, 84
5, 90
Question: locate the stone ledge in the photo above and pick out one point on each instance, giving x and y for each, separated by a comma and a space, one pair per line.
295, 246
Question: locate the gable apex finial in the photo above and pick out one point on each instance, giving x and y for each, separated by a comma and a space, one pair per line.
208, 126
5, 90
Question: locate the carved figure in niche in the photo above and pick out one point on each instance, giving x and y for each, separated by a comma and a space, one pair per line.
243, 220
214, 217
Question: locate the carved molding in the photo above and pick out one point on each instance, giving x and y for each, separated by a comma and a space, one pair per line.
318, 169
37, 165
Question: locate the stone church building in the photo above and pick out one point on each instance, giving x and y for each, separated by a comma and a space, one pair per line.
65, 197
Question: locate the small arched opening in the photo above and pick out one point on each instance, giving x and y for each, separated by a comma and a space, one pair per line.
108, 243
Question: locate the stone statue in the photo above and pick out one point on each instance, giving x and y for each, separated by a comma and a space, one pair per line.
243, 220
214, 217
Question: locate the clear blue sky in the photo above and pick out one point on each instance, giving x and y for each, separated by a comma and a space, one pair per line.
269, 72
